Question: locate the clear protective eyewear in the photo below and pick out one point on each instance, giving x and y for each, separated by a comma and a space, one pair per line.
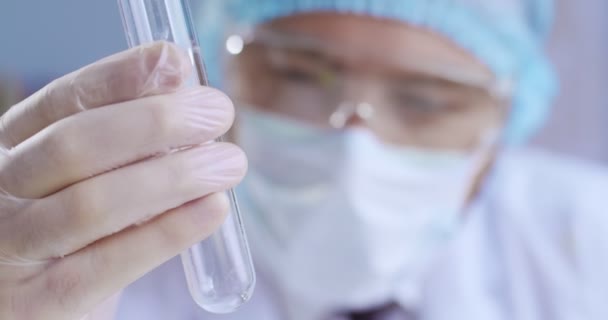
332, 86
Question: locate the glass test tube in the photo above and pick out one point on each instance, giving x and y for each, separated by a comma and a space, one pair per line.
219, 270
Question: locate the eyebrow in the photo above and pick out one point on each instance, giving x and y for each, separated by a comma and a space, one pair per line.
423, 79
312, 55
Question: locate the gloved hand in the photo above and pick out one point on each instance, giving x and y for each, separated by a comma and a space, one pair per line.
91, 198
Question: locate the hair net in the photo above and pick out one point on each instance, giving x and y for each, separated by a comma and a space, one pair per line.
506, 35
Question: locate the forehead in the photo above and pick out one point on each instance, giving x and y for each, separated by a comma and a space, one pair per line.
395, 44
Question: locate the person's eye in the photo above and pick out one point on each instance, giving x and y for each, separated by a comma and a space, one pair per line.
418, 102
297, 75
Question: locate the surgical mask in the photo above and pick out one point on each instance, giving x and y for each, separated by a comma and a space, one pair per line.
343, 220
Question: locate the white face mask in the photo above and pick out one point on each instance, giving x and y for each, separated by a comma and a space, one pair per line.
343, 220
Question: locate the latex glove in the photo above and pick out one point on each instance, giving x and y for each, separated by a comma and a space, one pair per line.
92, 200
106, 310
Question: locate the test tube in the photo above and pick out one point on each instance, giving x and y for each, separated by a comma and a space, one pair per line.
219, 270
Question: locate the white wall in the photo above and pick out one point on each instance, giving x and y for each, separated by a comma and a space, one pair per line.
51, 37
579, 48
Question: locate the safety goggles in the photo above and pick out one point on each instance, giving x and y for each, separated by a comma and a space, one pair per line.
333, 86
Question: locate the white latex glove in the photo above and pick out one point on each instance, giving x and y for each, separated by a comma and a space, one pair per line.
91, 199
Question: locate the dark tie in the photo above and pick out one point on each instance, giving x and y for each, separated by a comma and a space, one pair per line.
389, 311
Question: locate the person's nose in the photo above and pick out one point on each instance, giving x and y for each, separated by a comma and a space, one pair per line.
354, 106
351, 114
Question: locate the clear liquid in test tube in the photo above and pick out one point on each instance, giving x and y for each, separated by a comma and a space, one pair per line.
219, 270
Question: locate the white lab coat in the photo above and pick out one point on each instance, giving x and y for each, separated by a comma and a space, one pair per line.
534, 246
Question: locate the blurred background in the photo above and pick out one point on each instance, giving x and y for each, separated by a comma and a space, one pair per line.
46, 39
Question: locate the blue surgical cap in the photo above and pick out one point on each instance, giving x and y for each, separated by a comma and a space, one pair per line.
506, 35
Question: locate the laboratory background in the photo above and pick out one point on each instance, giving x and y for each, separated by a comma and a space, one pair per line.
43, 40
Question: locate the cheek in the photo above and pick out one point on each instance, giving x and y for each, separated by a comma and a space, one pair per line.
470, 129
241, 75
